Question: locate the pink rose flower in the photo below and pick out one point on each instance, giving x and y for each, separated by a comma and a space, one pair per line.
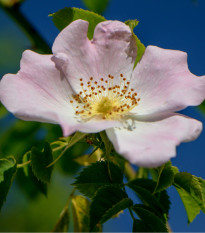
92, 85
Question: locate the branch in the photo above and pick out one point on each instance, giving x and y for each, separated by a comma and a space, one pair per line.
35, 38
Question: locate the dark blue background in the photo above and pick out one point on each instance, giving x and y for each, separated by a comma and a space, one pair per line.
171, 24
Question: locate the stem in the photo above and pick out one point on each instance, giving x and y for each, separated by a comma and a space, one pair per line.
61, 154
94, 151
58, 148
35, 38
63, 212
70, 197
23, 164
132, 215
130, 173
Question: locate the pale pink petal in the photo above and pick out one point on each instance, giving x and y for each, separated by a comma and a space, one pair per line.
38, 91
164, 83
112, 51
89, 126
150, 144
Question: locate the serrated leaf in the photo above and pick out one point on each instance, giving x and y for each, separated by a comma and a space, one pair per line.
40, 161
41, 186
7, 172
165, 176
108, 201
97, 175
202, 184
163, 199
192, 186
64, 17
190, 205
152, 222
63, 222
140, 47
96, 5
144, 188
80, 207
192, 191
30, 185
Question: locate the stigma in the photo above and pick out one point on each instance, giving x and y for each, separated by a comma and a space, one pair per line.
104, 99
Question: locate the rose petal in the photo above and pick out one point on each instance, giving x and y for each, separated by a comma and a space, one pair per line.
151, 144
38, 91
89, 126
164, 82
112, 51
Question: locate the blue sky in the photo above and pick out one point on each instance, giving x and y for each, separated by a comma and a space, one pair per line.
170, 24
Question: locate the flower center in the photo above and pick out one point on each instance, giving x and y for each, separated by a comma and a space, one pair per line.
104, 99
105, 105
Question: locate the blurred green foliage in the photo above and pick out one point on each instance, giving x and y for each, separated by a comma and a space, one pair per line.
10, 3
97, 6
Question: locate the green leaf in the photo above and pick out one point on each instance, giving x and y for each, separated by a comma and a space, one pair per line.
202, 107
3, 111
29, 184
41, 186
159, 203
163, 199
64, 17
80, 207
107, 143
140, 226
165, 176
40, 161
76, 138
97, 175
140, 47
63, 221
87, 159
96, 5
202, 184
192, 185
191, 207
149, 221
7, 172
26, 158
132, 23
108, 201
192, 191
